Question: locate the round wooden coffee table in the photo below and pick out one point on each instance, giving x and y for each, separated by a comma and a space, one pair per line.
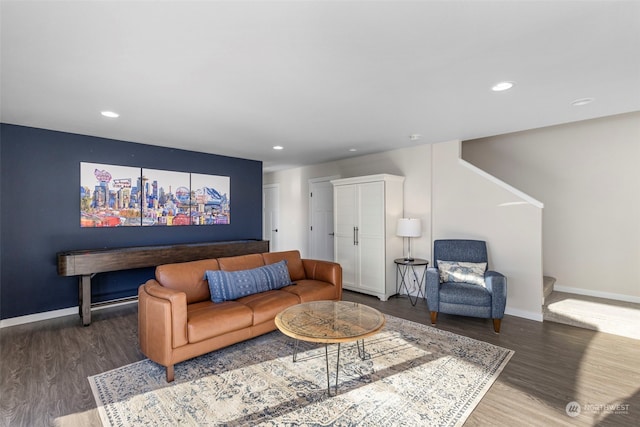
330, 322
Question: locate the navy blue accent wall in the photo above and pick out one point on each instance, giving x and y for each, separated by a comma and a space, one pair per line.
40, 213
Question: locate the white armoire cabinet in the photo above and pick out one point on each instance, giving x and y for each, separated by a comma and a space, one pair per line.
366, 212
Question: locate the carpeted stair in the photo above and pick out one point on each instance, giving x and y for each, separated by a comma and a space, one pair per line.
548, 283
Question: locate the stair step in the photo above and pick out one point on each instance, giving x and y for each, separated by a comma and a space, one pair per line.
548, 283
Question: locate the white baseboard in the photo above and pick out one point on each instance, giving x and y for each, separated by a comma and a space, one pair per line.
21, 320
510, 311
524, 314
597, 294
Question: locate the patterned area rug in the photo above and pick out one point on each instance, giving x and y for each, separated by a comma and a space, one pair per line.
413, 375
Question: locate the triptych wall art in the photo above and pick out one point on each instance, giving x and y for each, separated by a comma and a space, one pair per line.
116, 196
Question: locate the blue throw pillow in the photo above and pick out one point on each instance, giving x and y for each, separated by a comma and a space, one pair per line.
231, 285
278, 274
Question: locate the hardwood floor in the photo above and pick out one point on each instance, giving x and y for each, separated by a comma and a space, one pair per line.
44, 368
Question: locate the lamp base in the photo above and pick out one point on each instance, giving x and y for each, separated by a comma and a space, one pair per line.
409, 259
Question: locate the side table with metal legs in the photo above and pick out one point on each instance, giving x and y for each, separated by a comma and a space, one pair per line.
405, 269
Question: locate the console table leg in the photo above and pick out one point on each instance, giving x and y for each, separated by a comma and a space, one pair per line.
85, 299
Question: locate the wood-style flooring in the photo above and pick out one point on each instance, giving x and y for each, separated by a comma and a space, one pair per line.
44, 368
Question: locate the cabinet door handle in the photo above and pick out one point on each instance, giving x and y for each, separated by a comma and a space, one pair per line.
356, 237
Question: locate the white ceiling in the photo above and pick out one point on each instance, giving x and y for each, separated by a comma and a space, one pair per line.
317, 77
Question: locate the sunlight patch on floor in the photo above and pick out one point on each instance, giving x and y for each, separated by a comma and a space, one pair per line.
616, 317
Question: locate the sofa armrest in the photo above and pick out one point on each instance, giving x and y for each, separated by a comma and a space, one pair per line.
496, 283
433, 289
325, 271
162, 319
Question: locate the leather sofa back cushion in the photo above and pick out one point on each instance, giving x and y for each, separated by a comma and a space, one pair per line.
187, 277
231, 285
240, 262
294, 262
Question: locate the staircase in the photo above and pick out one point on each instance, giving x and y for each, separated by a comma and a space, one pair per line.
547, 286
598, 314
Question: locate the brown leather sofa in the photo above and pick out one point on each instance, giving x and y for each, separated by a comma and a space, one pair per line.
178, 321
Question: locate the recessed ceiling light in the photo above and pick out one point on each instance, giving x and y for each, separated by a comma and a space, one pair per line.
353, 149
582, 101
278, 147
110, 114
499, 87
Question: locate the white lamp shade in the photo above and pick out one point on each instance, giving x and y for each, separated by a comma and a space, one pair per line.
409, 227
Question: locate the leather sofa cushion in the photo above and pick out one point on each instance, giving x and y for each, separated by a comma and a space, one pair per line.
241, 262
187, 277
294, 262
267, 305
207, 320
312, 290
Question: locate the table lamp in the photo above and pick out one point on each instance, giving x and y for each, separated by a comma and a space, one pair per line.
409, 227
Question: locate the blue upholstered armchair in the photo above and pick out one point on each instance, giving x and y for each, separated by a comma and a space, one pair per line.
461, 283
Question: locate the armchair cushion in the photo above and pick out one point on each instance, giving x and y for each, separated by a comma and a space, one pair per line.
465, 294
462, 272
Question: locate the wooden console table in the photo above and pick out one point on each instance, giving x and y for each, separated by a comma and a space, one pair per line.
86, 263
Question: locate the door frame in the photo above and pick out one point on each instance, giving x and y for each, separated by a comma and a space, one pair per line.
275, 187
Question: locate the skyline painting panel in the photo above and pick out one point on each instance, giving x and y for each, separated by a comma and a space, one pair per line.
211, 199
109, 195
166, 198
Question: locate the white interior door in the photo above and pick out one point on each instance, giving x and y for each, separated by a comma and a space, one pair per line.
321, 233
345, 229
271, 215
371, 236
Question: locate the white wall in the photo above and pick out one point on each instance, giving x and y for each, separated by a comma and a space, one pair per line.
412, 163
468, 204
587, 174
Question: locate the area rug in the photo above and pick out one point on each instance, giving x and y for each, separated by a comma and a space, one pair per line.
413, 375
